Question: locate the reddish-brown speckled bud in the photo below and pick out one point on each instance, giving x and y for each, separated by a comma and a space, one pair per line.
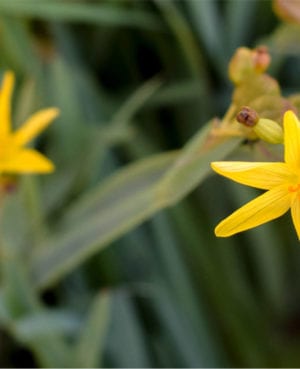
247, 116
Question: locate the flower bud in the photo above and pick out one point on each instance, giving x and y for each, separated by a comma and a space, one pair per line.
261, 58
247, 116
288, 11
269, 131
247, 62
240, 65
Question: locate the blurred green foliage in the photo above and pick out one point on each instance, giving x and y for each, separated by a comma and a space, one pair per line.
136, 83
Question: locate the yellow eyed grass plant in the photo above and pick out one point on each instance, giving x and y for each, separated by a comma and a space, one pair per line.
15, 158
111, 260
281, 179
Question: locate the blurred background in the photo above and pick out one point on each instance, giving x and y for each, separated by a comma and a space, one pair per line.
133, 79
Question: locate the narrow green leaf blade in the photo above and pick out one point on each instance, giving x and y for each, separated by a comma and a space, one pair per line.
193, 165
89, 348
127, 346
124, 201
78, 12
39, 325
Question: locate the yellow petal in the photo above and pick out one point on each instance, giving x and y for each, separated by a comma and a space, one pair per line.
27, 161
291, 140
264, 208
5, 103
260, 175
295, 208
34, 125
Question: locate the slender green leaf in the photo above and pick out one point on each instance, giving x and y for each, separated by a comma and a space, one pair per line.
127, 345
90, 346
124, 201
39, 325
178, 304
186, 39
135, 101
21, 302
17, 46
4, 313
73, 11
193, 165
209, 25
240, 16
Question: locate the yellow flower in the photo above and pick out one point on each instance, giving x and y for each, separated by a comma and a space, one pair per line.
14, 156
281, 179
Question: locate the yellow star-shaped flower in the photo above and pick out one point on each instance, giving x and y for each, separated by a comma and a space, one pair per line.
281, 179
14, 156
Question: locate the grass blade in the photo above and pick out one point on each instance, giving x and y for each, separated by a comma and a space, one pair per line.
103, 14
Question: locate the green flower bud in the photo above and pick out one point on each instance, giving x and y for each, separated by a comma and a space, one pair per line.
246, 63
241, 65
269, 131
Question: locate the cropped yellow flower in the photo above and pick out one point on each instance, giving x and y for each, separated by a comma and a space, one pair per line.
281, 179
14, 156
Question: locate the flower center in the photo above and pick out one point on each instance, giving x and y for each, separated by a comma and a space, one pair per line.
294, 188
